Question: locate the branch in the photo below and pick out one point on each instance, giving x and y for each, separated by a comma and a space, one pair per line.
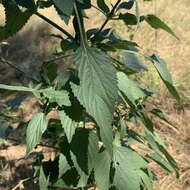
55, 25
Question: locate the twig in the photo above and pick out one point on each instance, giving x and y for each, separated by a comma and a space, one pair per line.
18, 69
20, 183
55, 25
109, 16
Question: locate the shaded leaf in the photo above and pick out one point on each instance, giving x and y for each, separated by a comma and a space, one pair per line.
126, 5
29, 4
102, 5
15, 19
84, 148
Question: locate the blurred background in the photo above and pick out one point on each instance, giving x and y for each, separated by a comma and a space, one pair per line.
34, 43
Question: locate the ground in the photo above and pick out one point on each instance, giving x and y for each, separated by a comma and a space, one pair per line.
33, 43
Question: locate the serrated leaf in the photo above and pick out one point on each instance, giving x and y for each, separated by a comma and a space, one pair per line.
15, 19
68, 125
43, 181
36, 127
125, 175
102, 5
61, 97
164, 73
63, 165
156, 23
98, 89
145, 179
64, 8
102, 170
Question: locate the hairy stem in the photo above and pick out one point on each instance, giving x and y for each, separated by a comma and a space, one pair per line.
54, 25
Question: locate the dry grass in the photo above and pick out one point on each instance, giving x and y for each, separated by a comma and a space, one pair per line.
31, 51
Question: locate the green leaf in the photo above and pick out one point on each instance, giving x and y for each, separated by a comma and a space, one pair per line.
44, 4
43, 181
130, 60
158, 158
137, 14
4, 132
15, 19
63, 165
121, 44
125, 174
64, 8
160, 114
35, 129
49, 70
102, 170
145, 179
102, 5
68, 125
61, 97
164, 73
84, 148
129, 88
128, 18
98, 89
147, 121
156, 23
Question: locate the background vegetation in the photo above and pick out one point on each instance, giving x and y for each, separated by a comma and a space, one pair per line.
37, 43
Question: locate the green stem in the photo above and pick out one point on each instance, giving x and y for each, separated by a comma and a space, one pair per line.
109, 17
55, 25
81, 28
